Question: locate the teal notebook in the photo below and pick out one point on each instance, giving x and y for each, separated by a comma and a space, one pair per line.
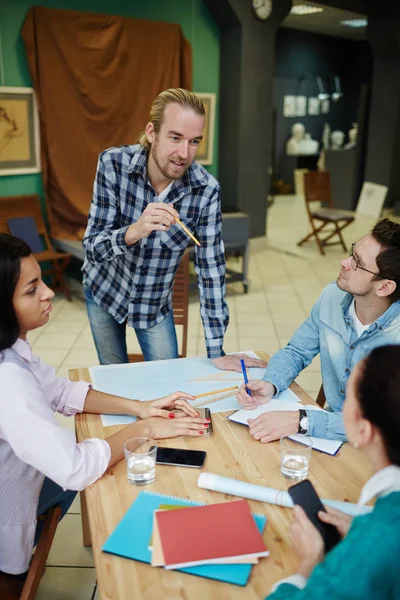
131, 538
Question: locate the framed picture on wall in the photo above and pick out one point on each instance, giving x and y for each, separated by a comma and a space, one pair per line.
313, 106
301, 106
289, 106
205, 152
19, 131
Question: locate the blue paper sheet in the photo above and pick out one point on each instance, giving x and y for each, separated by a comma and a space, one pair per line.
131, 538
149, 380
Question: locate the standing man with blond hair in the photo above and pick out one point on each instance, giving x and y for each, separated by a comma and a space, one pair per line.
134, 245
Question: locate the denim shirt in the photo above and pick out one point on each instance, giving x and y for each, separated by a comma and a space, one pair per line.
329, 330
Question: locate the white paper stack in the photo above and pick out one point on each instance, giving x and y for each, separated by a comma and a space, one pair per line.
287, 400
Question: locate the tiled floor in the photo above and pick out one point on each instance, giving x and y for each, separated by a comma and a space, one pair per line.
285, 281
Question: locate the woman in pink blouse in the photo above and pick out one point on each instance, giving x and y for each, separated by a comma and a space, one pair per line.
41, 464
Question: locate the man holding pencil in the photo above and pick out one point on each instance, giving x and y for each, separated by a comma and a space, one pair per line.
149, 200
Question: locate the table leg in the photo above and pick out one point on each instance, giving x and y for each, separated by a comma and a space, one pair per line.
87, 538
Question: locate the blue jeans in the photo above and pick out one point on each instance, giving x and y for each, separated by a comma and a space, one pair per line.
52, 495
157, 343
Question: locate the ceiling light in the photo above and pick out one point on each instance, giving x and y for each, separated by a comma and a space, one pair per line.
337, 94
305, 9
355, 22
322, 95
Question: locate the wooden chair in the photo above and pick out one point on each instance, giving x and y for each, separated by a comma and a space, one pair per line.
317, 189
180, 305
12, 207
321, 399
11, 588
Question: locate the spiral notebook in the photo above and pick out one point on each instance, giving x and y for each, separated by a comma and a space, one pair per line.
132, 535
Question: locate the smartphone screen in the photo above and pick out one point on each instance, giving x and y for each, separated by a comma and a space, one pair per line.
180, 458
304, 494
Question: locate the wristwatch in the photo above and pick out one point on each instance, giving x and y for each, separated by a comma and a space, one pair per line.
303, 422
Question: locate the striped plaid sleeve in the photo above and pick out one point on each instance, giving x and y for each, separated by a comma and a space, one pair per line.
104, 237
210, 269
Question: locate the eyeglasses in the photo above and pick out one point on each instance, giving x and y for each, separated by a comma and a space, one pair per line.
356, 265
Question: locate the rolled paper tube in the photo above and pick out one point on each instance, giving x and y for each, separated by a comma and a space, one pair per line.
226, 485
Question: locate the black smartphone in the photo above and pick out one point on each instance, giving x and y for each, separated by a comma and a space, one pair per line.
180, 458
304, 494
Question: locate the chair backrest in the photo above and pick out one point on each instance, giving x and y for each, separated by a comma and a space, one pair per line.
12, 207
317, 187
180, 298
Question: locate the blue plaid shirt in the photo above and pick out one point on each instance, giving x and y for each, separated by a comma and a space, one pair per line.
134, 283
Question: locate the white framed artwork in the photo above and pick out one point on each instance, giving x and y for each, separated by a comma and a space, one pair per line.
19, 131
301, 106
205, 152
325, 105
289, 106
313, 106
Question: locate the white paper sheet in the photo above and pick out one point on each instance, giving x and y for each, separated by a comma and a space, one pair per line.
285, 402
149, 380
226, 485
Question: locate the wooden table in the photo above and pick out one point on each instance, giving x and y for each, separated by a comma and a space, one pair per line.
232, 452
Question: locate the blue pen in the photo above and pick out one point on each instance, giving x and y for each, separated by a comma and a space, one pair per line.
245, 376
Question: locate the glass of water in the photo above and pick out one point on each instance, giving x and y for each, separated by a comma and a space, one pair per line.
140, 456
295, 457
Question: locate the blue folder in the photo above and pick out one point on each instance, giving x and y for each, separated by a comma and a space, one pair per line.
132, 535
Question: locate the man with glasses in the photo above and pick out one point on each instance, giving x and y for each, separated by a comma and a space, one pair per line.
353, 315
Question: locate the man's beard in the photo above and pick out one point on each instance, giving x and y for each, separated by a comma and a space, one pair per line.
163, 170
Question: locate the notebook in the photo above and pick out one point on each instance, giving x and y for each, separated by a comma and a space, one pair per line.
200, 535
131, 537
25, 228
157, 556
327, 446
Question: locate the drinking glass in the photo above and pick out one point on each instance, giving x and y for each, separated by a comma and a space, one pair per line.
140, 456
295, 457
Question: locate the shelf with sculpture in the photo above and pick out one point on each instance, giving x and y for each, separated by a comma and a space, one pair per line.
300, 143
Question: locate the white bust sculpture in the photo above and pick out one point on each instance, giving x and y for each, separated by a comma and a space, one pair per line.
292, 145
352, 137
337, 139
301, 142
326, 136
308, 145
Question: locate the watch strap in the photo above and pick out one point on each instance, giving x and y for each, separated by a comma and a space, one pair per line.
302, 414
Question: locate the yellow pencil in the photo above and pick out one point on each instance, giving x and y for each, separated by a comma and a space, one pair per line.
235, 387
188, 232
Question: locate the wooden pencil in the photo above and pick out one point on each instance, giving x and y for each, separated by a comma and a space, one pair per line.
228, 389
188, 232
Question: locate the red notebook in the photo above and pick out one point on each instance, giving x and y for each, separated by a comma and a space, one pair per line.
208, 534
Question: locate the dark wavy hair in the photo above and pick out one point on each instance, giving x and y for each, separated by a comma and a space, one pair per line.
378, 394
12, 249
387, 234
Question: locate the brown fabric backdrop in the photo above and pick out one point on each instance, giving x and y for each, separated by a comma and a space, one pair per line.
95, 77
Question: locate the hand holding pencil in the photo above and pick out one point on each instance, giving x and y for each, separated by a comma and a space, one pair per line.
157, 216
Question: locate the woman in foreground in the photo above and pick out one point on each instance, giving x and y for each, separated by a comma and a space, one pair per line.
41, 464
364, 565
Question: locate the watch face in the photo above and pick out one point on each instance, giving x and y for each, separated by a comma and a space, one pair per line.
262, 9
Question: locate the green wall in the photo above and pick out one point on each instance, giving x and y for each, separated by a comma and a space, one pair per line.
197, 24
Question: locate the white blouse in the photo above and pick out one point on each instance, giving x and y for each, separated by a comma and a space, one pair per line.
33, 446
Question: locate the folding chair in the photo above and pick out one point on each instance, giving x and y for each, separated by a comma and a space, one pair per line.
317, 189
180, 305
14, 207
11, 588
